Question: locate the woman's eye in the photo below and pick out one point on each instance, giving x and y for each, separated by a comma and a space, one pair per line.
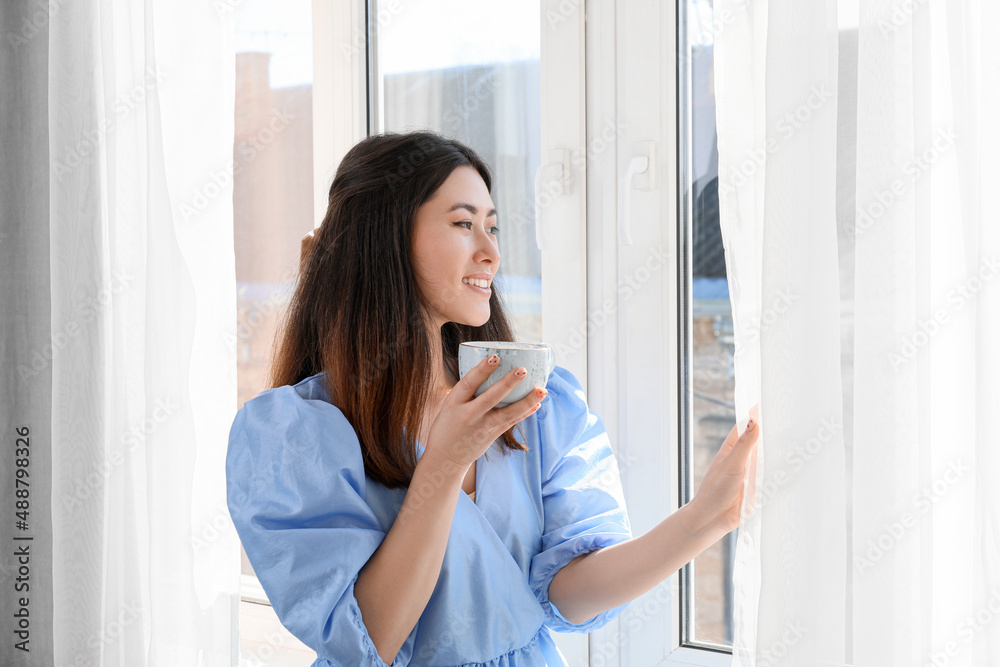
494, 229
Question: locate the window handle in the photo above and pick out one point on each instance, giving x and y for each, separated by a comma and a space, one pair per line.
551, 180
639, 164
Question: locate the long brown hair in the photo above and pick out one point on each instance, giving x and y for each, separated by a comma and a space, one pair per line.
357, 313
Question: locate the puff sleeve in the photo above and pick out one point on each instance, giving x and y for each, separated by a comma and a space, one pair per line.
584, 507
296, 494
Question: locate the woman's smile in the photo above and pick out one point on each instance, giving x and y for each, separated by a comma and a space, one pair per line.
485, 292
471, 280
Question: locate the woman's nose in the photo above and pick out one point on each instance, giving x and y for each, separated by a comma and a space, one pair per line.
487, 246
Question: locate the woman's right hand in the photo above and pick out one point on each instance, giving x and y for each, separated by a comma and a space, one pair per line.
467, 424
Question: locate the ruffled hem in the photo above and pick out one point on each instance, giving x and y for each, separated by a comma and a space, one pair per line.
516, 658
583, 544
531, 654
369, 644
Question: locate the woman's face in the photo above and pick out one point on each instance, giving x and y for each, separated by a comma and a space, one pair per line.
454, 238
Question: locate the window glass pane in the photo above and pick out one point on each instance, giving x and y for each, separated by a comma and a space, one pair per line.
713, 411
470, 71
272, 174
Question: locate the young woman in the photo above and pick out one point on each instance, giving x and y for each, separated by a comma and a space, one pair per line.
360, 483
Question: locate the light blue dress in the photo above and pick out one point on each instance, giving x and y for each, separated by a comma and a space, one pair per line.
310, 518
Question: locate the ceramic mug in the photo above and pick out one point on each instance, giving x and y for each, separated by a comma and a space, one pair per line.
537, 358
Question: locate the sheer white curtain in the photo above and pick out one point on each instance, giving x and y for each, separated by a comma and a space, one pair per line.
120, 281
859, 161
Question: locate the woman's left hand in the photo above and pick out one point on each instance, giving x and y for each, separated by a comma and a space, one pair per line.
304, 246
720, 494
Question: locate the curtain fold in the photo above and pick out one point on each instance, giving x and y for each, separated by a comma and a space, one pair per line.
140, 307
858, 178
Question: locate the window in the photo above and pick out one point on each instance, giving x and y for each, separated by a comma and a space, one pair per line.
272, 172
479, 86
273, 208
535, 99
706, 583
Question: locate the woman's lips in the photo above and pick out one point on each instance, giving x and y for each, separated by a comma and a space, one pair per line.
485, 292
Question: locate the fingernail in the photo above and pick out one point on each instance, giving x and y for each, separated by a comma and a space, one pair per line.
520, 372
542, 393
751, 424
493, 360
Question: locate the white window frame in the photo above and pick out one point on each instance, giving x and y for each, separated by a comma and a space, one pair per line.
596, 116
704, 653
561, 210
636, 386
631, 387
340, 88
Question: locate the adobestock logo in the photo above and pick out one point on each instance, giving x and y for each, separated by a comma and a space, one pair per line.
927, 329
123, 106
901, 14
971, 625
248, 149
86, 311
786, 127
895, 531
31, 26
885, 197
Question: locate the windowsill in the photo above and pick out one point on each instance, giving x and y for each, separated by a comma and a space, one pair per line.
252, 591
264, 641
